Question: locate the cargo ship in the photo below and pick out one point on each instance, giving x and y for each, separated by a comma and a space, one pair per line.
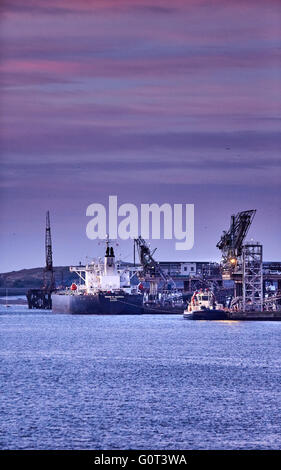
104, 290
203, 306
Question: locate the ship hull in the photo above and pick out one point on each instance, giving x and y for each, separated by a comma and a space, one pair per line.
98, 304
207, 314
162, 309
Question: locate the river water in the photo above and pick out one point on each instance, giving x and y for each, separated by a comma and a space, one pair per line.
138, 382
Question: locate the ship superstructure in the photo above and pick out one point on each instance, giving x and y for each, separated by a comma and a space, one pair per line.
102, 275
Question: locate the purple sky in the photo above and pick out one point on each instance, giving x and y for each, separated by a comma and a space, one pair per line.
152, 101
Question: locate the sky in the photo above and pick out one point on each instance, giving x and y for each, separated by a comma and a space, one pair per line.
150, 100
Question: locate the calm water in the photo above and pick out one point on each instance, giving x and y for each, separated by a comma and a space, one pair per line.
150, 382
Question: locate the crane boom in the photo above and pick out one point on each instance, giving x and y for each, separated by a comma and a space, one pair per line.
231, 242
151, 268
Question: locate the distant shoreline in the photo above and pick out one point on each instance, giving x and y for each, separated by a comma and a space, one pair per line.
10, 301
12, 291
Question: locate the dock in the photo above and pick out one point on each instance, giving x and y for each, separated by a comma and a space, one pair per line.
255, 316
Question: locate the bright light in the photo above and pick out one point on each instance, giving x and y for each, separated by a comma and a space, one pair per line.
233, 260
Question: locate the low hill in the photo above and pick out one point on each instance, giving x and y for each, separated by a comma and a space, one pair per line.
33, 278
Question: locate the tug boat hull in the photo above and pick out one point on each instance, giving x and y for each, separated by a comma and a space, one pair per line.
206, 314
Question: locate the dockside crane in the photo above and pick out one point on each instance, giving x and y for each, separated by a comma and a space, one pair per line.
151, 270
48, 277
242, 263
41, 298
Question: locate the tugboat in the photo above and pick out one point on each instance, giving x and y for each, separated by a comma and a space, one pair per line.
203, 306
104, 291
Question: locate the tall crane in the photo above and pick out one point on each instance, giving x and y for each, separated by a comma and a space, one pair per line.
41, 298
48, 277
